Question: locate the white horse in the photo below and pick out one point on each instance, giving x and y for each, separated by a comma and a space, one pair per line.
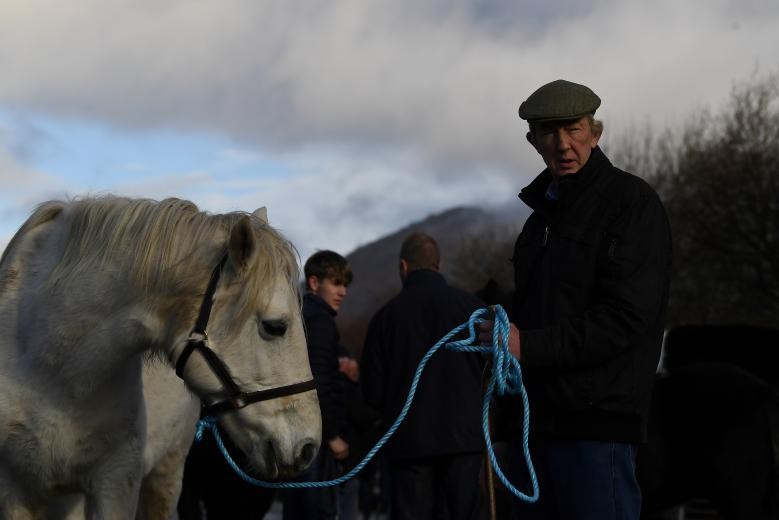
90, 291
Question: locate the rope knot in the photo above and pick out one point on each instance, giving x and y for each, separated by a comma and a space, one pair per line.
506, 372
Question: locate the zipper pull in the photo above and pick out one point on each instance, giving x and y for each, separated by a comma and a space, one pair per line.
546, 236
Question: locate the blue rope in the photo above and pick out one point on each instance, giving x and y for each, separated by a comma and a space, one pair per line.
506, 378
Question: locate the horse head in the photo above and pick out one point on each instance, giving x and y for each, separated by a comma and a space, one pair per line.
94, 291
246, 357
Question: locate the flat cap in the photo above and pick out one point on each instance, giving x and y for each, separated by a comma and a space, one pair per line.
559, 100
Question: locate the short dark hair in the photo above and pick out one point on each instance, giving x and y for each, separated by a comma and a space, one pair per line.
420, 251
328, 264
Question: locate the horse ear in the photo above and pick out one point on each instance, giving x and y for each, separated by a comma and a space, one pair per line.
261, 213
242, 243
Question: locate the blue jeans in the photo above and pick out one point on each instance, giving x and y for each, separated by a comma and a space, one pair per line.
578, 480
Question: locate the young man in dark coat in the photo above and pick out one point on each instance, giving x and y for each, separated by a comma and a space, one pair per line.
327, 277
592, 269
435, 456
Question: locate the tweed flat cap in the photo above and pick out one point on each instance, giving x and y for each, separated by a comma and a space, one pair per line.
558, 101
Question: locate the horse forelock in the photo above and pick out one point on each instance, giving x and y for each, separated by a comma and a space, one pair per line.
166, 249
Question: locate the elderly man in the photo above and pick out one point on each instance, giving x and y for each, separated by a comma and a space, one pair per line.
592, 268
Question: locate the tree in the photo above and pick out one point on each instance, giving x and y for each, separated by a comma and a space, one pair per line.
719, 179
482, 264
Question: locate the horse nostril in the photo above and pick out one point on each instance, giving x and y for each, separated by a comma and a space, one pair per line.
306, 455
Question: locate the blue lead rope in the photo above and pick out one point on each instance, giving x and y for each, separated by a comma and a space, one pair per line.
506, 378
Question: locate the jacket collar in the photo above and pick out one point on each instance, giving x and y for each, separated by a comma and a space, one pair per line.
569, 186
419, 277
318, 302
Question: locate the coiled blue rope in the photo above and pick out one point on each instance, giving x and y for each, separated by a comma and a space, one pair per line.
506, 378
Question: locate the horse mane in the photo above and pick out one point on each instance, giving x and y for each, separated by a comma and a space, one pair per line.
166, 249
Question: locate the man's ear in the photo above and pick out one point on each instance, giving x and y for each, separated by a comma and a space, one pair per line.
531, 139
595, 138
312, 284
403, 268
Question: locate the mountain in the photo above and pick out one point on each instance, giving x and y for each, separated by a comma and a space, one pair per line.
475, 246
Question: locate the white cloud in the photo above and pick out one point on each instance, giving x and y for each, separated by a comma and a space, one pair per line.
383, 110
342, 204
22, 189
332, 202
442, 79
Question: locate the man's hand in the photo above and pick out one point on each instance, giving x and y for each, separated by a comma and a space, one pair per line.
339, 447
485, 337
350, 368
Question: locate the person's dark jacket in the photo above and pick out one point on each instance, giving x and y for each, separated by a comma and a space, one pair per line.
323, 339
592, 271
445, 416
362, 422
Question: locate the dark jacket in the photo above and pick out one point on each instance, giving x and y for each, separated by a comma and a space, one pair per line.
322, 339
592, 272
445, 417
362, 425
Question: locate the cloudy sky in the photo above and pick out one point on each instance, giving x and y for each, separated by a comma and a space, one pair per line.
346, 118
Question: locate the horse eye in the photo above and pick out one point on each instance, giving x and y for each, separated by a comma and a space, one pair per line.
274, 327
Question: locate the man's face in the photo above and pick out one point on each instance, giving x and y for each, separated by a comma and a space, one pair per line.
565, 146
332, 292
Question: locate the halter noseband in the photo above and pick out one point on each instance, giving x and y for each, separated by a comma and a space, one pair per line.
198, 340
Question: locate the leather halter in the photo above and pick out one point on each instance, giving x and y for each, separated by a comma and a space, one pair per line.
198, 340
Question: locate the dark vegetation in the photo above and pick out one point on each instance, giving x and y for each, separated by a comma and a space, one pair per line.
719, 180
714, 423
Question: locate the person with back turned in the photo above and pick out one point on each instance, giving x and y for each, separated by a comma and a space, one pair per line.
435, 455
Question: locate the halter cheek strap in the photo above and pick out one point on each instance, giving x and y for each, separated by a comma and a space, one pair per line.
198, 336
198, 340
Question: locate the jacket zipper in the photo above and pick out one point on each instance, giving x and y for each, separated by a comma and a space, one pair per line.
535, 262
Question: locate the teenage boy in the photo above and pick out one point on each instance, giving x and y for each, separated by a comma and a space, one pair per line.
327, 276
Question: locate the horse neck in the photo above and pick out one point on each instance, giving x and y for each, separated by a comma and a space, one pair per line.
91, 332
91, 346
83, 332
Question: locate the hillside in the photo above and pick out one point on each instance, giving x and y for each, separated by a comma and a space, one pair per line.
475, 246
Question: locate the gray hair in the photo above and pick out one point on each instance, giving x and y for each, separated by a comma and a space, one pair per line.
595, 124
